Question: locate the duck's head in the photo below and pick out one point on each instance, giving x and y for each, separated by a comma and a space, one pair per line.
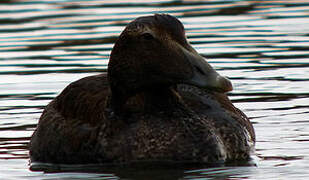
153, 51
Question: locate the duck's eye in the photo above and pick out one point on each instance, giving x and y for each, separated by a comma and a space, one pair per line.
147, 36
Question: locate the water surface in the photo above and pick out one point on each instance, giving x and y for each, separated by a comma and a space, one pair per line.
262, 46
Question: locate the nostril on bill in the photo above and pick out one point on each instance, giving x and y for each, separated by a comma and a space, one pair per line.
199, 70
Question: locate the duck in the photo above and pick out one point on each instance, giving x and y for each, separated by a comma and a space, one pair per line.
159, 101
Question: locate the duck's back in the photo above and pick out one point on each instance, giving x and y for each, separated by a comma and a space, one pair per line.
68, 128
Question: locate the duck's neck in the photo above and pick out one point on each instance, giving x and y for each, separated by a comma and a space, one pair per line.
158, 99
117, 101
161, 99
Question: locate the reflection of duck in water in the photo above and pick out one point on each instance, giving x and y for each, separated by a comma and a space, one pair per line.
160, 101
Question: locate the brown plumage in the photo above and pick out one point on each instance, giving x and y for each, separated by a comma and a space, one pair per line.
159, 101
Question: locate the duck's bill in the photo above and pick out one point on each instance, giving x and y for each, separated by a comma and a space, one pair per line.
213, 82
204, 75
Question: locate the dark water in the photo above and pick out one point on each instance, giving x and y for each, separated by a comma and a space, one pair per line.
262, 46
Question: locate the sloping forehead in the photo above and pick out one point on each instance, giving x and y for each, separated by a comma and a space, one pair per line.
162, 23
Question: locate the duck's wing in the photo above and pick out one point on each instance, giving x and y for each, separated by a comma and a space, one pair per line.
230, 124
84, 100
215, 105
68, 128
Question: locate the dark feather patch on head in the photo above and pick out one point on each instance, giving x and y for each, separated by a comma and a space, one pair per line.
162, 23
171, 24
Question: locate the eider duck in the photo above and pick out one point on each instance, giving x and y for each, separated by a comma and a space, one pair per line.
159, 101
